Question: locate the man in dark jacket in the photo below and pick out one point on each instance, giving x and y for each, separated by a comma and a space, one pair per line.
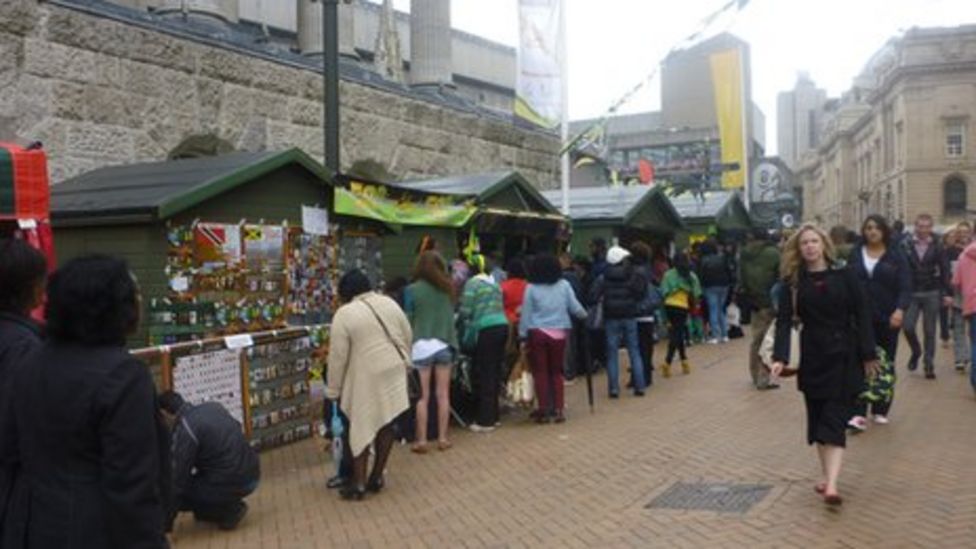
214, 467
22, 273
758, 272
621, 288
715, 274
930, 290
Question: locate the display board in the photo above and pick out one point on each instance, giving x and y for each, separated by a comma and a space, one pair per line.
312, 275
211, 377
363, 251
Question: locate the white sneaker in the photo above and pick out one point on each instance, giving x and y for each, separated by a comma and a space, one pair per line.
881, 420
725, 339
858, 423
713, 341
475, 428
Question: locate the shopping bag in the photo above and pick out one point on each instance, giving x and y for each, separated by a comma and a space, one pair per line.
520, 386
768, 345
881, 388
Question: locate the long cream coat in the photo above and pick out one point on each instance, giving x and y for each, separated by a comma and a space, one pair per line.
365, 371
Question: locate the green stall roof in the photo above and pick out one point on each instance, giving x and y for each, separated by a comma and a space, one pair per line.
142, 193
503, 191
637, 207
724, 209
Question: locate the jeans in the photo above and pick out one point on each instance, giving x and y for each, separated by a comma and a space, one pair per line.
715, 296
928, 304
960, 342
546, 357
972, 347
626, 329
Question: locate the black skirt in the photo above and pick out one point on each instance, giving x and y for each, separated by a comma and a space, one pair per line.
827, 421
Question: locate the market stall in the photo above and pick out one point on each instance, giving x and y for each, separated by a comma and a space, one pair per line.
624, 213
221, 245
25, 198
716, 214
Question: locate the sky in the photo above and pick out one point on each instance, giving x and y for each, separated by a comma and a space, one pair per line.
614, 44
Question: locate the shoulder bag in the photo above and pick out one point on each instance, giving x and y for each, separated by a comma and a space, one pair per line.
767, 348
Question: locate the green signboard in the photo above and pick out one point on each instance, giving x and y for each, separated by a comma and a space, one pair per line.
400, 206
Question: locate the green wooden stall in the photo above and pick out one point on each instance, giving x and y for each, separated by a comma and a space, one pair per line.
720, 213
512, 217
124, 210
624, 213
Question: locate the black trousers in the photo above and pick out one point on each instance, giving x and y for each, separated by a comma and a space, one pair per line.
487, 367
212, 504
887, 339
677, 332
645, 337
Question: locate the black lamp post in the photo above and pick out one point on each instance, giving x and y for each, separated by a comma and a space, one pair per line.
330, 75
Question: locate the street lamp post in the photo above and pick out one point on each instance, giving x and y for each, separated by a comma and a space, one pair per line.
330, 75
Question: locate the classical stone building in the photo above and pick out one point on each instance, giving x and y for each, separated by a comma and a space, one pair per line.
104, 83
898, 142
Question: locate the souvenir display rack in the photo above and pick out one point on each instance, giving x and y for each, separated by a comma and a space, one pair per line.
312, 275
261, 378
364, 251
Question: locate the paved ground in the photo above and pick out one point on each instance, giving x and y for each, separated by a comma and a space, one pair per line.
586, 483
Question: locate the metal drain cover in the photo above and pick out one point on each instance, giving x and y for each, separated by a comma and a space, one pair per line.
704, 496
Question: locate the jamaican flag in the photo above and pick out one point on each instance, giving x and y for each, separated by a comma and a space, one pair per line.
882, 387
24, 190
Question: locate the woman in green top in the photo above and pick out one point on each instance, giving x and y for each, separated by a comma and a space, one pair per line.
680, 288
429, 304
485, 330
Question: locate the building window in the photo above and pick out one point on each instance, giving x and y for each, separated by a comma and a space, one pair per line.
954, 194
955, 139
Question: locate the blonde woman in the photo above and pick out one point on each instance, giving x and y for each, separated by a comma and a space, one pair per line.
836, 344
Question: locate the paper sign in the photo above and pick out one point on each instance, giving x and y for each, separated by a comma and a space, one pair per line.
179, 284
27, 224
315, 221
238, 341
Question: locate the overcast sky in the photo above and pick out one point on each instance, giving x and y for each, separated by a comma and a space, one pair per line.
613, 44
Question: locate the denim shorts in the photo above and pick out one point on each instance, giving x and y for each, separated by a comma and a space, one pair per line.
442, 358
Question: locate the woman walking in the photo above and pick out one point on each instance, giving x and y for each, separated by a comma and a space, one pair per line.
370, 383
680, 289
964, 280
544, 326
485, 330
86, 432
429, 304
836, 344
884, 272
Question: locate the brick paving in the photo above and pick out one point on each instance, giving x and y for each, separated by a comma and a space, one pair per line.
587, 483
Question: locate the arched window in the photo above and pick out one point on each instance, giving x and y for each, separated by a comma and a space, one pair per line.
954, 196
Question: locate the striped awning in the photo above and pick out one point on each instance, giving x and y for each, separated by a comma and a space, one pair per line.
24, 191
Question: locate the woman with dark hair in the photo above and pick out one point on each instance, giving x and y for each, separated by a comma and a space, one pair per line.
369, 357
22, 272
543, 329
86, 429
513, 289
485, 330
647, 321
836, 344
715, 273
887, 278
429, 304
680, 288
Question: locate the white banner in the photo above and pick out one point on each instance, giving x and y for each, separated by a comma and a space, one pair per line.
539, 91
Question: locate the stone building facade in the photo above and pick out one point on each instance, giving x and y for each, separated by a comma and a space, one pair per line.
899, 142
103, 84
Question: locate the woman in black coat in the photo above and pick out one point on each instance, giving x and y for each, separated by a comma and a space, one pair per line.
884, 272
836, 344
85, 425
22, 272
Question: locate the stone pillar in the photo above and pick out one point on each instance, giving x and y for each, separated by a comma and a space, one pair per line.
310, 28
223, 10
430, 43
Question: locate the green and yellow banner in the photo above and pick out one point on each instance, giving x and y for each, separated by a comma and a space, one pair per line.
727, 81
399, 206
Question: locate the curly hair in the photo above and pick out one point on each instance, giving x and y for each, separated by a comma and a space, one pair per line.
92, 300
545, 269
642, 252
792, 261
432, 269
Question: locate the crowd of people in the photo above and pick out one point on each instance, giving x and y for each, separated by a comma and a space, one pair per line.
90, 451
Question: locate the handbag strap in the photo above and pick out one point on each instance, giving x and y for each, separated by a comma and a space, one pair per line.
796, 314
385, 330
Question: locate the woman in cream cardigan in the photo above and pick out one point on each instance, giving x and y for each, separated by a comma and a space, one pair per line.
368, 363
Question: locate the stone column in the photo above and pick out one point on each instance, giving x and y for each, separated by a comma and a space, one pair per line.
430, 43
224, 10
310, 28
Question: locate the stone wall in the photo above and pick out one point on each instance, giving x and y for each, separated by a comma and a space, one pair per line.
101, 91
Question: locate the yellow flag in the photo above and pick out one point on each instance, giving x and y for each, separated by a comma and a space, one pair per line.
728, 86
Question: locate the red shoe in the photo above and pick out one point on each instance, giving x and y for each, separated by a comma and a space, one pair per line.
833, 500
820, 488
